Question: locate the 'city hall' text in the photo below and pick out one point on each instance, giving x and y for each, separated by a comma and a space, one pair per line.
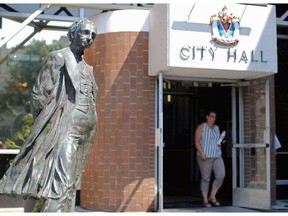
232, 55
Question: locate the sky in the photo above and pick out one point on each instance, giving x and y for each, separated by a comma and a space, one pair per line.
9, 27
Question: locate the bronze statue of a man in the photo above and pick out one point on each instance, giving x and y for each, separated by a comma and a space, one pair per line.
50, 162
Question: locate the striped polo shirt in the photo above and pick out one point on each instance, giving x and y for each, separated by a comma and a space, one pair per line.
208, 141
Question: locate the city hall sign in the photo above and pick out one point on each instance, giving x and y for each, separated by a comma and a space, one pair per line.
197, 41
225, 32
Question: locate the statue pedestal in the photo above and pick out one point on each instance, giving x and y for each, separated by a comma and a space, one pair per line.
29, 205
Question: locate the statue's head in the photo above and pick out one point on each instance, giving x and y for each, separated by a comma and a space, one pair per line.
82, 33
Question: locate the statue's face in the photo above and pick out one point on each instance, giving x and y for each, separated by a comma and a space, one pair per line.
85, 35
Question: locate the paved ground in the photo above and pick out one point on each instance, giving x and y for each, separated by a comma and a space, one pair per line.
281, 206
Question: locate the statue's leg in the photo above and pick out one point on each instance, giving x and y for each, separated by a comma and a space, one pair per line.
50, 205
68, 203
64, 204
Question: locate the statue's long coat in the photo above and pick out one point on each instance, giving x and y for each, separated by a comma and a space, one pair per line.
39, 169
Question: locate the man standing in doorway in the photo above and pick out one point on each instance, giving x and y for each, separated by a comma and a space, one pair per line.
209, 158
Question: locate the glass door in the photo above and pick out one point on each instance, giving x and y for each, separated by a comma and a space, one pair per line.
251, 145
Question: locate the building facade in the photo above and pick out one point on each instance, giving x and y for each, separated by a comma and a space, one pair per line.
158, 71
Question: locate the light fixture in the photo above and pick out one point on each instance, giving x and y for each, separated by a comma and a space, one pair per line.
169, 85
169, 98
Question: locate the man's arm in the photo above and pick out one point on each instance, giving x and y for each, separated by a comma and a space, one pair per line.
45, 81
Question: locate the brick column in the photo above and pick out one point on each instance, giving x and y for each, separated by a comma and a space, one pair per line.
120, 172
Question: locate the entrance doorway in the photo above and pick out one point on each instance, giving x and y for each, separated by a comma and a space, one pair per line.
281, 104
184, 106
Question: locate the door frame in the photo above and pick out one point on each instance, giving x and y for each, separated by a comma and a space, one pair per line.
159, 143
240, 194
249, 197
159, 132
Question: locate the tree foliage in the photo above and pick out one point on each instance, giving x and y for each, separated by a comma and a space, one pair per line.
22, 76
23, 73
26, 122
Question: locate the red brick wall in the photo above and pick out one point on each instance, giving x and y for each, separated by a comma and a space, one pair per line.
119, 175
254, 123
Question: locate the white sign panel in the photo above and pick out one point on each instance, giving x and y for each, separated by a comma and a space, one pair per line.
217, 41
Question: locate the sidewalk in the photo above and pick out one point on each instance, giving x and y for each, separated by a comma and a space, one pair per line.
281, 206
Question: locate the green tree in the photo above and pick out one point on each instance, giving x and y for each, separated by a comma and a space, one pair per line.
22, 75
26, 123
24, 72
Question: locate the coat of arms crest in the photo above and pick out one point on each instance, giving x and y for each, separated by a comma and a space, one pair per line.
225, 28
